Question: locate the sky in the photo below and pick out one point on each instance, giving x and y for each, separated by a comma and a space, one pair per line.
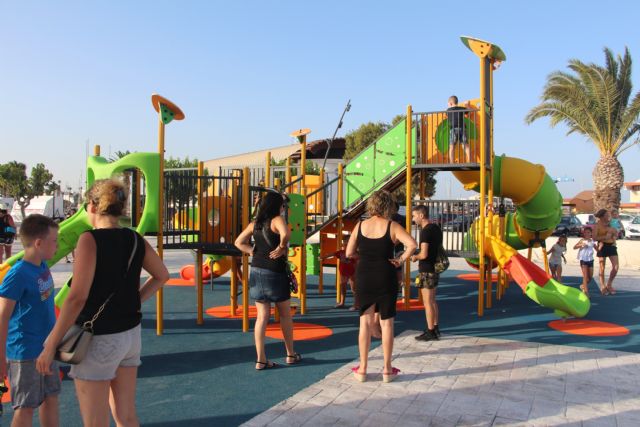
74, 74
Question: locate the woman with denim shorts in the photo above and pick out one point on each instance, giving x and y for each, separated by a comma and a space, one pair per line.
268, 282
102, 272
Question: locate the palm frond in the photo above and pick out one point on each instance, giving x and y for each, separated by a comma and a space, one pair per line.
592, 100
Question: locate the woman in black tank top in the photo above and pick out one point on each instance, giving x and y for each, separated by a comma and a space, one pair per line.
268, 282
106, 275
377, 288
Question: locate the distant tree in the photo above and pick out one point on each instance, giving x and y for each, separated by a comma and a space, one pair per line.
182, 188
596, 101
359, 139
178, 163
118, 155
13, 177
429, 186
397, 119
367, 134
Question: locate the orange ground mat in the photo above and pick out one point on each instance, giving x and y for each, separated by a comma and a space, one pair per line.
590, 328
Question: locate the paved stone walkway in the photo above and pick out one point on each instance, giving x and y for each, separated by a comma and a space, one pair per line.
470, 381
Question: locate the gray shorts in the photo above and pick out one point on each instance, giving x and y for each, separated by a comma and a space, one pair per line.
28, 387
107, 353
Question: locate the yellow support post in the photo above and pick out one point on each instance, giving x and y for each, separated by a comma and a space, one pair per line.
245, 257
277, 184
199, 288
171, 112
96, 150
287, 172
199, 285
160, 293
303, 261
407, 267
546, 259
267, 171
233, 303
483, 182
339, 231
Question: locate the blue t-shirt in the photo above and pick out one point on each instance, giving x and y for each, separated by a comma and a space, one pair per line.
33, 317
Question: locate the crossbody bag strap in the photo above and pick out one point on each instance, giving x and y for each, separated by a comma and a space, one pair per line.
89, 324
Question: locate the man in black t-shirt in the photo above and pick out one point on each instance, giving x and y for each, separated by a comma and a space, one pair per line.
399, 248
427, 280
457, 131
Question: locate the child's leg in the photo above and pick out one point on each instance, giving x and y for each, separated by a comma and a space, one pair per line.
467, 152
22, 417
559, 273
585, 279
48, 411
352, 285
343, 292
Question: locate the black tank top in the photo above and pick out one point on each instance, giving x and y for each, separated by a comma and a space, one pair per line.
113, 249
264, 246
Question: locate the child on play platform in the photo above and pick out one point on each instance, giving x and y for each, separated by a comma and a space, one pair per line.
26, 318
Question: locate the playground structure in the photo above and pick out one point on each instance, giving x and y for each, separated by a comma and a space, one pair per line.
205, 213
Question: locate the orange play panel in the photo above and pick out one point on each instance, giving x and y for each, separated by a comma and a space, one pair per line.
414, 304
224, 312
474, 277
301, 331
590, 328
180, 282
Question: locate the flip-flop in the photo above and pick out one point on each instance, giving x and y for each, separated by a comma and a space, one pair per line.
387, 378
296, 357
266, 365
360, 377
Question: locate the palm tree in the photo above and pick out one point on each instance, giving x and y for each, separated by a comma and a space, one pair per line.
593, 101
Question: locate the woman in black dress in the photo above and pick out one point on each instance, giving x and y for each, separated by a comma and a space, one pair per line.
268, 282
377, 287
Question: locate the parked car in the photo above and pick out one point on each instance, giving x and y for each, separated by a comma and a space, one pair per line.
586, 218
633, 230
459, 223
569, 225
625, 220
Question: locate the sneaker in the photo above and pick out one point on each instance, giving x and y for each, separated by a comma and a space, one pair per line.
427, 336
436, 329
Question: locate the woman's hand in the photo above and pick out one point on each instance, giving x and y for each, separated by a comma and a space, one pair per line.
278, 252
397, 262
44, 361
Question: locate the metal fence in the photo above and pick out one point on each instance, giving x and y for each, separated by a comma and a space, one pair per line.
200, 212
449, 139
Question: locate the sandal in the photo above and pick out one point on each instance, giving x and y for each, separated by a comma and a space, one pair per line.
360, 377
387, 378
266, 365
295, 357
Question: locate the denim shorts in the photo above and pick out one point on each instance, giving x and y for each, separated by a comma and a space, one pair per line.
268, 286
586, 263
107, 353
28, 387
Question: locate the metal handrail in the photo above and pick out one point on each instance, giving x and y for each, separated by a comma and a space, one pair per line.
289, 185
